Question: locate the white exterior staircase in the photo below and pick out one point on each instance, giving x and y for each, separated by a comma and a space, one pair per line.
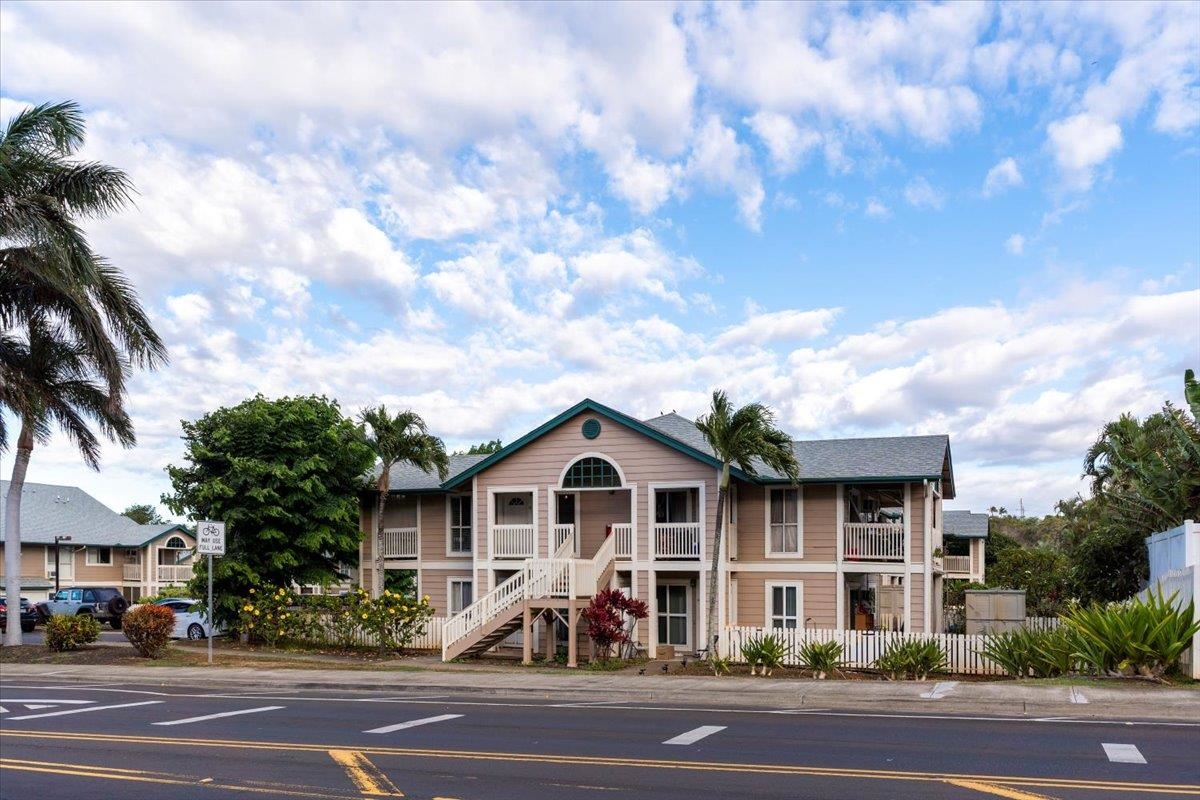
541, 582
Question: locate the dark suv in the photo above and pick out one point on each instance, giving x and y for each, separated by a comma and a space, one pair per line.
29, 616
105, 603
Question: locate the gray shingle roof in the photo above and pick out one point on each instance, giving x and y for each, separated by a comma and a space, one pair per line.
888, 457
48, 511
407, 478
965, 524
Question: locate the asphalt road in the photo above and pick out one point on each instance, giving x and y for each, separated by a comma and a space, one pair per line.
129, 741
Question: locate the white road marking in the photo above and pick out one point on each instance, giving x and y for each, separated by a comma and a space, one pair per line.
1123, 753
85, 710
696, 734
26, 701
412, 723
3, 710
940, 690
190, 720
1077, 696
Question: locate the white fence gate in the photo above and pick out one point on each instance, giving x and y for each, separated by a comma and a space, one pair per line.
861, 648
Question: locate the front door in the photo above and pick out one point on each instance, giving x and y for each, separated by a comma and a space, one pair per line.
674, 602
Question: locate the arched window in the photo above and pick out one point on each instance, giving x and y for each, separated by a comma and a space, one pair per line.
591, 473
176, 542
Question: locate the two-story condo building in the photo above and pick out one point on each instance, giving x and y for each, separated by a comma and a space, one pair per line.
93, 545
595, 498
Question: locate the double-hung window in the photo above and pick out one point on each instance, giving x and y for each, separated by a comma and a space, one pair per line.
461, 594
784, 602
784, 534
97, 556
460, 524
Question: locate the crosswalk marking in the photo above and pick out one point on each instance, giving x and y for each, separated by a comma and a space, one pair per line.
84, 710
412, 723
1123, 753
190, 720
696, 734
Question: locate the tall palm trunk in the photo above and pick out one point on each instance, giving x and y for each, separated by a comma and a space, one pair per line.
12, 534
711, 632
377, 580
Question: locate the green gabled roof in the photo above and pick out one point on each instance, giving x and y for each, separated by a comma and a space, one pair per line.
597, 408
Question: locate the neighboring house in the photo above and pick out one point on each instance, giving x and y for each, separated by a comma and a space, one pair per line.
595, 498
106, 548
965, 534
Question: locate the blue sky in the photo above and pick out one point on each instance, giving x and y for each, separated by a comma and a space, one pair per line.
976, 219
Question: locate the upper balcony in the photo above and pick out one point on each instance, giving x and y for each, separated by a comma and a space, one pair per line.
401, 543
873, 541
677, 540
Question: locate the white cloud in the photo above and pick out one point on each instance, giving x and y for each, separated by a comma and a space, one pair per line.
1080, 144
1015, 244
1004, 175
786, 142
920, 194
762, 329
719, 160
876, 208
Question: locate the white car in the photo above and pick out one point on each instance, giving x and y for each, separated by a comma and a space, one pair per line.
190, 621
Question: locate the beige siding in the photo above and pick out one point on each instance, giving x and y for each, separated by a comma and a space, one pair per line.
820, 523
433, 583
596, 510
33, 561
820, 598
642, 460
401, 511
434, 533
916, 598
916, 504
106, 574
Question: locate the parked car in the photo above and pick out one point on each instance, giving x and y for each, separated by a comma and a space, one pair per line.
191, 622
29, 615
105, 603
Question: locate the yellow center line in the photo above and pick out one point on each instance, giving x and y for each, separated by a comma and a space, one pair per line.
162, 778
644, 763
369, 779
999, 791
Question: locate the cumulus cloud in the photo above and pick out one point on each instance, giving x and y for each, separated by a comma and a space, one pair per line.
1080, 144
1015, 244
1004, 175
920, 194
720, 160
876, 208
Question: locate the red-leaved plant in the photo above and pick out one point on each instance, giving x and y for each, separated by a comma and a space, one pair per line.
611, 617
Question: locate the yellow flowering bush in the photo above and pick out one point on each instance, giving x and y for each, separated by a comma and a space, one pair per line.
390, 622
269, 616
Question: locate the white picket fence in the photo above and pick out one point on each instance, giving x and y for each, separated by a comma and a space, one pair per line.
862, 648
1041, 623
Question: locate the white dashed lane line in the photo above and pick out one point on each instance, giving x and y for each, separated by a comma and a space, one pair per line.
1123, 753
84, 710
696, 734
190, 720
412, 723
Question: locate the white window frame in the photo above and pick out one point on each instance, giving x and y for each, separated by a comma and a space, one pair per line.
450, 595
769, 609
468, 501
799, 551
689, 601
92, 557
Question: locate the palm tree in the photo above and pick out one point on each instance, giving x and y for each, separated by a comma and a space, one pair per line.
60, 387
71, 326
47, 265
740, 437
402, 439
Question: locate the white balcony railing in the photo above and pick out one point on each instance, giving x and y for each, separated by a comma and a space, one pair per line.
174, 573
623, 535
131, 572
677, 540
956, 564
400, 543
512, 541
873, 541
561, 534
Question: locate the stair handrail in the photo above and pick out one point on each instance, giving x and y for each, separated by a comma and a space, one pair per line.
485, 608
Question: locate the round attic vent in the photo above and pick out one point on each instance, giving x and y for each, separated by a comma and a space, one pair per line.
591, 428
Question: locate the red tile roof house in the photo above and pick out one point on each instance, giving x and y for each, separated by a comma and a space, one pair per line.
595, 498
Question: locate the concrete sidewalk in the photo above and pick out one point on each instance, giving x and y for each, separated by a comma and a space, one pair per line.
1109, 700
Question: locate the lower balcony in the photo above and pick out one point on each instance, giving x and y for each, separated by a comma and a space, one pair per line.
956, 565
131, 572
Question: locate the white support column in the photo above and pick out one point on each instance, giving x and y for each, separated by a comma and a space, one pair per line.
840, 516
908, 558
652, 597
702, 610
840, 584
927, 583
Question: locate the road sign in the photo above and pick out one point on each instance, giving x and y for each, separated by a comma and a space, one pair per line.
210, 538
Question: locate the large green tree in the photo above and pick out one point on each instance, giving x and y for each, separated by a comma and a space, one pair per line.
71, 326
285, 476
740, 437
144, 514
399, 439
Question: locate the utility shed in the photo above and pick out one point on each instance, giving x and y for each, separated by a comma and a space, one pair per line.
994, 610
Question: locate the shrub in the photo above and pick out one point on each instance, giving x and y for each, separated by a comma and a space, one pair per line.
821, 657
767, 651
393, 619
1140, 637
913, 658
611, 617
65, 632
148, 629
267, 616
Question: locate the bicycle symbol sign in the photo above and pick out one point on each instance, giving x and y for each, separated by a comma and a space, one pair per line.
210, 538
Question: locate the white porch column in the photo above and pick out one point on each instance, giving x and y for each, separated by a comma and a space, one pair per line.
652, 597
702, 609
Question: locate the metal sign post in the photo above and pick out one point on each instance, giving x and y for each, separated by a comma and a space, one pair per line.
210, 541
